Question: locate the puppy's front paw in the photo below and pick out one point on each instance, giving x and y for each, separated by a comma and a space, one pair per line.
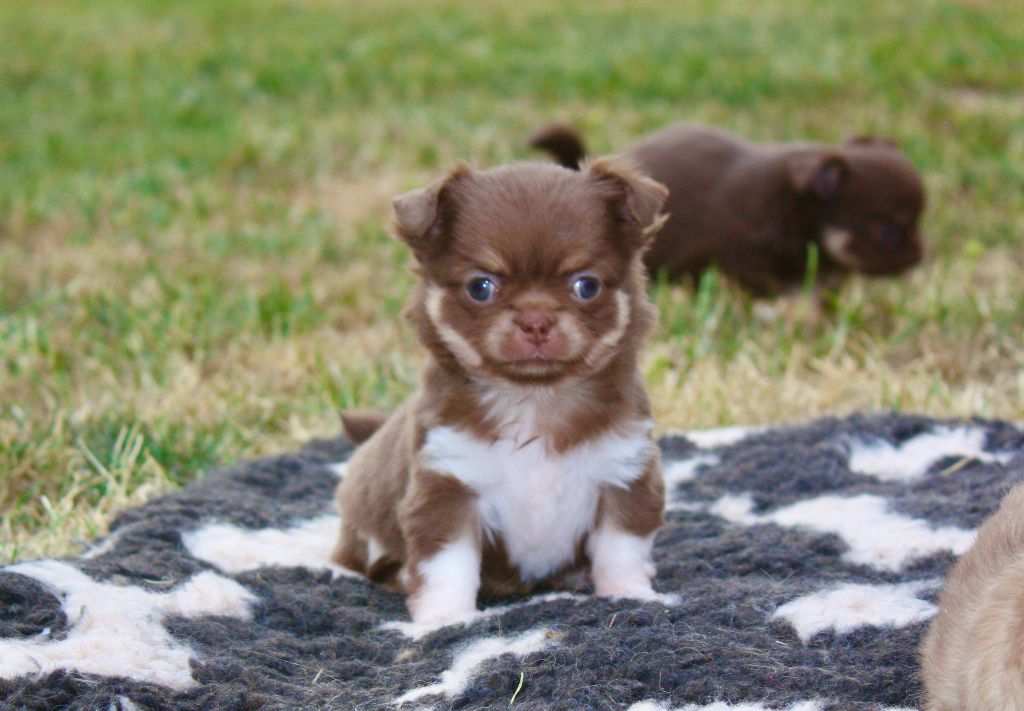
434, 611
621, 564
637, 587
444, 589
626, 578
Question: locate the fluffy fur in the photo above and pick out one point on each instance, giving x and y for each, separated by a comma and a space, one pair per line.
753, 210
973, 656
526, 453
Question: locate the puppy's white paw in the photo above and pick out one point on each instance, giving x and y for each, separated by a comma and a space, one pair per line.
435, 613
621, 564
639, 590
448, 585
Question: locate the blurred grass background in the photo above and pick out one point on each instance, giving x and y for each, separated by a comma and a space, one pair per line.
194, 202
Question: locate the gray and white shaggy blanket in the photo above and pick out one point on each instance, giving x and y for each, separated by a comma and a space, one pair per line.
799, 569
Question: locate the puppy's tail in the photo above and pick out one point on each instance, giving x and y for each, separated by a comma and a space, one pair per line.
562, 142
359, 425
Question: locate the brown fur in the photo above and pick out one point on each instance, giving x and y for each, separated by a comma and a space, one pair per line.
434, 509
640, 508
973, 656
533, 226
753, 210
359, 425
388, 454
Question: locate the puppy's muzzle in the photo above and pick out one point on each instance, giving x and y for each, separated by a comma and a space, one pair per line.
534, 326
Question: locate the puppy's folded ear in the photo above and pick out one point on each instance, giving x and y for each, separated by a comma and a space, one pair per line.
635, 199
419, 213
818, 173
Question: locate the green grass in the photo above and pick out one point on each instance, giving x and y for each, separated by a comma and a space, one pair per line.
194, 260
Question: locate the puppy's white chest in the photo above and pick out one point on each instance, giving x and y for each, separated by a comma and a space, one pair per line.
538, 502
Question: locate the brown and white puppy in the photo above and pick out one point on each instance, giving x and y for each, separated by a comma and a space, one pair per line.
973, 656
527, 450
753, 210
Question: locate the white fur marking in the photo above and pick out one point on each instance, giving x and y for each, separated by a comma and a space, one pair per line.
495, 336
460, 347
339, 468
116, 630
573, 335
876, 537
448, 584
612, 337
622, 313
912, 459
465, 663
847, 607
418, 631
541, 503
836, 242
374, 550
522, 413
235, 550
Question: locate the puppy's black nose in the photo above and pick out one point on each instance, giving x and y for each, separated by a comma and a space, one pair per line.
536, 325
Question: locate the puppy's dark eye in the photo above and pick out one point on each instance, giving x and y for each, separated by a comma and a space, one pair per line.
586, 288
889, 235
481, 289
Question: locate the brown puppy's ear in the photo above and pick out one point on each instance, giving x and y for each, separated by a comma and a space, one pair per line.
635, 199
418, 212
818, 174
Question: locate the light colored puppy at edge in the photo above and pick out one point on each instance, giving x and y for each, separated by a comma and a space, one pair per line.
973, 656
526, 453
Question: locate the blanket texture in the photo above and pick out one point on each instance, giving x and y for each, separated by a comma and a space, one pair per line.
799, 568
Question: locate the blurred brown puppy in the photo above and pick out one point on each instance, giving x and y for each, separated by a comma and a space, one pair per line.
753, 210
973, 656
527, 451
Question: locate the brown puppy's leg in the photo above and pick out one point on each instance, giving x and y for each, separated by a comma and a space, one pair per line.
351, 550
620, 545
443, 540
